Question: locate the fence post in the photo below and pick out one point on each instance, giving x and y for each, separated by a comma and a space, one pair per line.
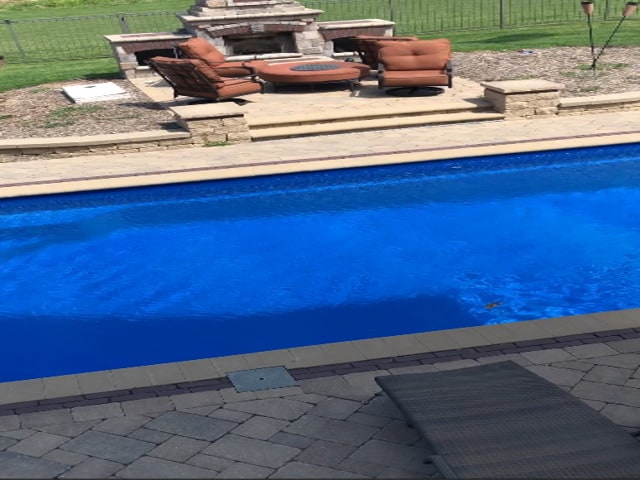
502, 14
392, 14
607, 9
16, 40
124, 26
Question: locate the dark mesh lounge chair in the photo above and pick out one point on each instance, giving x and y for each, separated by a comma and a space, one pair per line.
503, 421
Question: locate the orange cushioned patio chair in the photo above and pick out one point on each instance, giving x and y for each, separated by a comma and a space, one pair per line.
198, 48
367, 47
195, 78
420, 65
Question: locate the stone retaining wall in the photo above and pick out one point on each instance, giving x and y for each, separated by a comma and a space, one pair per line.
599, 103
204, 124
532, 98
224, 123
14, 149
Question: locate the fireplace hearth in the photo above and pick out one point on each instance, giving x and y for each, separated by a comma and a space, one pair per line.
260, 43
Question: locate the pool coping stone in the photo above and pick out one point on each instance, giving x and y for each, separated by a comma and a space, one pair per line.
211, 374
256, 167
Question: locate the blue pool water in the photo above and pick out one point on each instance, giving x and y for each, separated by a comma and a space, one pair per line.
140, 276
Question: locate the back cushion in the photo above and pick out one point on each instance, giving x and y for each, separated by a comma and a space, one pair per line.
199, 48
205, 69
416, 55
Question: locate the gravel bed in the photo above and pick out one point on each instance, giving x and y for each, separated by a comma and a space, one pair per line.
44, 111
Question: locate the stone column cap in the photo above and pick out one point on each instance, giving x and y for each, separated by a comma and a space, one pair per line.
522, 86
207, 110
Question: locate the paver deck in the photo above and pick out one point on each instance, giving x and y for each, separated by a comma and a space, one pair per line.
331, 423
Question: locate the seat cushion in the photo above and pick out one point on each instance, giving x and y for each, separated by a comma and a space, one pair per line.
415, 55
414, 78
199, 48
233, 87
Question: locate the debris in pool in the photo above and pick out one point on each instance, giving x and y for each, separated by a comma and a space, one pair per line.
491, 305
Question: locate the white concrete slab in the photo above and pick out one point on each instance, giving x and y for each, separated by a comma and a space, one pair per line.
95, 92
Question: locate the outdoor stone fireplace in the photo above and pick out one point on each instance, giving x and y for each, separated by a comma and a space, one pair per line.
247, 29
286, 24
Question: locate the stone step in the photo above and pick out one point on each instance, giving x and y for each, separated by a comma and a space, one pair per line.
308, 118
344, 126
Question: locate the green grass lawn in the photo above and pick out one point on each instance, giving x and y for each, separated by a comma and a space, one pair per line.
42, 24
571, 35
20, 75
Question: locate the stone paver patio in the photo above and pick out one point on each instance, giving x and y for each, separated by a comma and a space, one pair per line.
333, 426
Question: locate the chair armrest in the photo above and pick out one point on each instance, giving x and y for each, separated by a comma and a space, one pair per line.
251, 68
251, 71
210, 63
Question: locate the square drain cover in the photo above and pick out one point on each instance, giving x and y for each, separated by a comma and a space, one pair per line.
261, 379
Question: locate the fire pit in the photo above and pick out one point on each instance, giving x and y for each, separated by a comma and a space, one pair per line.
313, 73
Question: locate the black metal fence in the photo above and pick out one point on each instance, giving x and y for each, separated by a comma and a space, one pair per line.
430, 16
82, 37
72, 38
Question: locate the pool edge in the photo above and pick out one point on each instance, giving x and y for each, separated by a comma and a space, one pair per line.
139, 383
274, 167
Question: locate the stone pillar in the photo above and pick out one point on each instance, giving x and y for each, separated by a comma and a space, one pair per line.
126, 45
211, 123
524, 98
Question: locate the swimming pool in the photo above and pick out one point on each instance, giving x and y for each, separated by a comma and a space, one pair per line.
132, 277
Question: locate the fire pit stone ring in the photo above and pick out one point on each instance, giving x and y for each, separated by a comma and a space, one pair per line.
312, 73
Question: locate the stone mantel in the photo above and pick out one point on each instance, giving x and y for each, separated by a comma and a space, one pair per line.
250, 16
147, 37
